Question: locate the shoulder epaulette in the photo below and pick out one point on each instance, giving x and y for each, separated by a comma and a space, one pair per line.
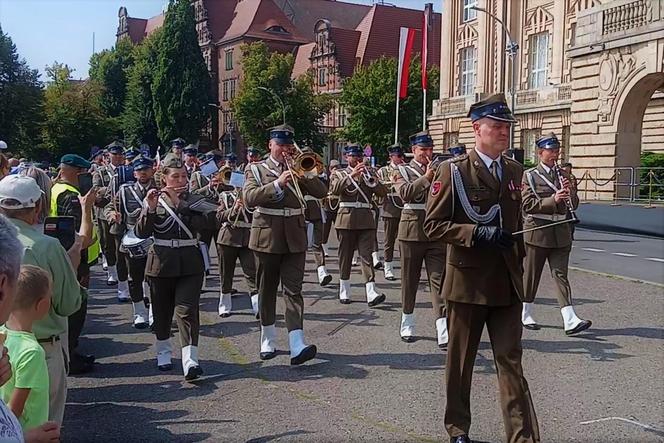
459, 158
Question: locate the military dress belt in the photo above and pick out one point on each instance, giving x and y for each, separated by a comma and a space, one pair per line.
238, 224
355, 205
176, 243
415, 206
284, 212
550, 217
311, 198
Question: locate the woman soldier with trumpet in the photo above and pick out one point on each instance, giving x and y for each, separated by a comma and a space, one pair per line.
548, 201
175, 268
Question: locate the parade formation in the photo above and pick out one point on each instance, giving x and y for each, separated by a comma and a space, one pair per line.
481, 227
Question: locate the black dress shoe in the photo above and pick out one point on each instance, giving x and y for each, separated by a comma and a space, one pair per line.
78, 366
111, 283
376, 301
378, 265
442, 346
585, 324
193, 373
345, 301
408, 339
166, 367
268, 355
460, 439
307, 354
326, 280
225, 315
233, 291
532, 327
390, 278
87, 358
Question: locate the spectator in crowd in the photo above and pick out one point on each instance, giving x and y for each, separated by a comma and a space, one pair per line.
44, 183
21, 200
4, 166
11, 251
26, 392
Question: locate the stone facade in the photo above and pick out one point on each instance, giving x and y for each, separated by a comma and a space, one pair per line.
567, 79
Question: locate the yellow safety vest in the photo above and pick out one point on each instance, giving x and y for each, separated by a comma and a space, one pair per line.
94, 250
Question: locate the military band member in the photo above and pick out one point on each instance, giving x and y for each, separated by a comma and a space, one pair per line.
130, 155
392, 205
457, 150
233, 244
177, 145
356, 225
175, 267
101, 179
545, 192
331, 205
208, 187
279, 241
190, 153
473, 206
231, 161
412, 182
253, 156
126, 209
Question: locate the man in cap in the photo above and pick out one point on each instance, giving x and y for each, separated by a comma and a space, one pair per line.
231, 160
21, 200
253, 156
101, 179
356, 225
392, 205
546, 192
190, 159
473, 206
177, 145
96, 157
412, 182
279, 241
130, 154
65, 202
457, 150
125, 211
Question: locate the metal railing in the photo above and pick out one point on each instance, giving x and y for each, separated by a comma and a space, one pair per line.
623, 184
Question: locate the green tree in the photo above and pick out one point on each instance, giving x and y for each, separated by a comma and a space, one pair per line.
20, 100
138, 120
370, 98
74, 119
256, 110
181, 83
109, 68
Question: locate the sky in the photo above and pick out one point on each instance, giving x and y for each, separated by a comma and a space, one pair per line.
45, 31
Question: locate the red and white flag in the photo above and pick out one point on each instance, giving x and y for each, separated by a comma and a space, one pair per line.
406, 39
426, 26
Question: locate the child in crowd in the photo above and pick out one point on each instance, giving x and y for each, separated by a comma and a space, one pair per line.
26, 393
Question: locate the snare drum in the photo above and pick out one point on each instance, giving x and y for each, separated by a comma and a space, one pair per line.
134, 246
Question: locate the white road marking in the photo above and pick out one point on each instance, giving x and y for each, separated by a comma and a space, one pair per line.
661, 260
624, 254
593, 250
626, 420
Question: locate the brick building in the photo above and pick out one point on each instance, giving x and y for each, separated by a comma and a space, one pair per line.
328, 37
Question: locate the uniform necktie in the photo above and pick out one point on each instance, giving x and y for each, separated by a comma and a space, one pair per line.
494, 171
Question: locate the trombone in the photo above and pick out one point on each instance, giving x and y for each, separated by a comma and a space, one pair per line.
302, 164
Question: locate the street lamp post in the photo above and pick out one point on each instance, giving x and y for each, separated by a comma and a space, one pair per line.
510, 50
215, 105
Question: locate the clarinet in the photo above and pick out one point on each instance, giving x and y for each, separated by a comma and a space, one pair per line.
568, 200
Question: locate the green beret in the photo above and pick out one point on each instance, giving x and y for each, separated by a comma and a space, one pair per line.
75, 161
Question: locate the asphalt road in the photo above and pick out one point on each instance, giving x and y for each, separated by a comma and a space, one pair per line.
366, 384
631, 256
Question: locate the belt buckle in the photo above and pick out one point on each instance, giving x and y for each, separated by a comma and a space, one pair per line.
287, 212
175, 243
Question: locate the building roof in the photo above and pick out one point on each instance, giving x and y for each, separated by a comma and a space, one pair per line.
261, 19
136, 29
345, 41
304, 14
302, 59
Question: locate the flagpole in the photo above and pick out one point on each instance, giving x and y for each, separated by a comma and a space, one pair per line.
424, 111
396, 124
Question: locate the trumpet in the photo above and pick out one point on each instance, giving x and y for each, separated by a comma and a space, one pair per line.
370, 175
224, 175
568, 201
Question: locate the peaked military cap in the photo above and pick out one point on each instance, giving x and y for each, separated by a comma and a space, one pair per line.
131, 153
190, 150
395, 149
494, 107
178, 143
115, 148
549, 141
214, 154
422, 139
95, 151
282, 134
142, 162
172, 161
353, 149
253, 151
75, 161
231, 157
457, 150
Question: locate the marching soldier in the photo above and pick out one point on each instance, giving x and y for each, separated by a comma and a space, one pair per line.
457, 150
233, 244
175, 268
356, 225
473, 206
231, 161
253, 156
279, 241
190, 159
412, 184
392, 205
314, 216
101, 179
126, 208
331, 205
130, 155
545, 193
